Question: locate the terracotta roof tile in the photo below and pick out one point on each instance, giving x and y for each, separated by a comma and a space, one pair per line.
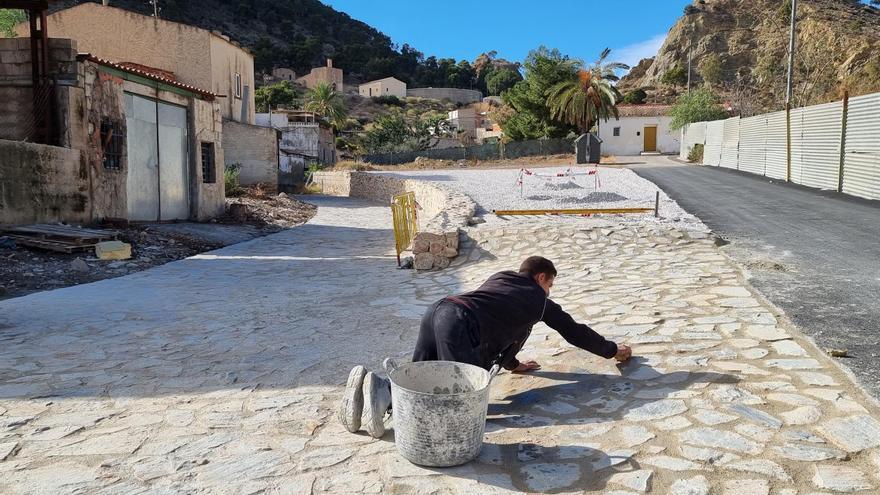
143, 73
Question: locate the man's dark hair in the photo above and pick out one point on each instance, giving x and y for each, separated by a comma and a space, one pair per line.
533, 265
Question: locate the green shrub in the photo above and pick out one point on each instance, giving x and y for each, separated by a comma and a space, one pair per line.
231, 184
388, 100
636, 97
695, 155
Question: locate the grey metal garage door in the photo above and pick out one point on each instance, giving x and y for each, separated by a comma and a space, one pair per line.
158, 177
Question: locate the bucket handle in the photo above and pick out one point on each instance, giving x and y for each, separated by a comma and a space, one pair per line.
492, 372
389, 365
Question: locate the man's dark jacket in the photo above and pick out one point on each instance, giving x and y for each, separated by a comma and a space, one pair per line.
509, 304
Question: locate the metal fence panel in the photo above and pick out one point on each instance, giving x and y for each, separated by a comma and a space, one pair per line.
777, 146
714, 140
798, 146
691, 135
861, 170
753, 144
730, 144
820, 142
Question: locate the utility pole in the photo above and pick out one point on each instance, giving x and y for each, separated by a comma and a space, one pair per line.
791, 48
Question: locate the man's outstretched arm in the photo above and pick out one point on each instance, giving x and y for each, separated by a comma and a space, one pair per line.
578, 334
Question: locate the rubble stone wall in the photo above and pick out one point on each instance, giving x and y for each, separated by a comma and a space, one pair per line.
442, 211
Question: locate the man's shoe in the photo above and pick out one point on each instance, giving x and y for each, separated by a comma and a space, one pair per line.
352, 405
377, 400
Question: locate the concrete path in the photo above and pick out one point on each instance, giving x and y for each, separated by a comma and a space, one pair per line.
220, 374
814, 253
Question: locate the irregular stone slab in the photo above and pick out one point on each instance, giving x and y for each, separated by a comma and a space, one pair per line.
632, 436
665, 393
731, 292
639, 481
644, 373
809, 453
711, 418
671, 463
694, 486
710, 437
558, 407
792, 399
853, 434
675, 423
760, 466
754, 353
744, 368
324, 457
612, 458
728, 394
788, 348
806, 415
802, 436
744, 343
545, 477
652, 411
707, 455
526, 452
841, 479
767, 333
738, 302
6, 449
750, 487
755, 432
794, 364
811, 378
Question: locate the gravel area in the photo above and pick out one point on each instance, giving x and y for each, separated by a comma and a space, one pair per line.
610, 188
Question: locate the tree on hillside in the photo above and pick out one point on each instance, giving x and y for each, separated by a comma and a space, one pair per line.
501, 80
394, 133
711, 70
275, 96
700, 105
327, 102
591, 96
675, 76
527, 115
635, 97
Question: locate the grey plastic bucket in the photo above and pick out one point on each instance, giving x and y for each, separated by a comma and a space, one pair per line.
439, 410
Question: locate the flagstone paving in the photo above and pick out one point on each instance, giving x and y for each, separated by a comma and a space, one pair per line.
220, 374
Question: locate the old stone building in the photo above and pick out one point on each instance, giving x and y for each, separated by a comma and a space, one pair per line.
327, 74
305, 139
132, 144
187, 54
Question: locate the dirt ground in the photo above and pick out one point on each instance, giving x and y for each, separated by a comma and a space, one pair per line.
422, 163
25, 270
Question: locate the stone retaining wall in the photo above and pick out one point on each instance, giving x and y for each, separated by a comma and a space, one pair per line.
443, 211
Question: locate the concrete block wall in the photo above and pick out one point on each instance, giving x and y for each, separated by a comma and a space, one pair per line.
443, 211
255, 149
40, 184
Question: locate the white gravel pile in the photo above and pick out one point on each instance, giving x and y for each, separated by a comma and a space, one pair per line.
497, 189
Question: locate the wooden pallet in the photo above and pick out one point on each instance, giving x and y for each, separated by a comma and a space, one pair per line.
58, 238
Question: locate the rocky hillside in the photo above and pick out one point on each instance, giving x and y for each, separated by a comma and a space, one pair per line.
740, 49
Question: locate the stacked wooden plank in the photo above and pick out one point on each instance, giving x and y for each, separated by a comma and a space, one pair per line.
59, 238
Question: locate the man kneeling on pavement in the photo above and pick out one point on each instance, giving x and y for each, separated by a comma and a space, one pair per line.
487, 326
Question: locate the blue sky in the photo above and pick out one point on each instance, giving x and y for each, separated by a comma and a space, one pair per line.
463, 29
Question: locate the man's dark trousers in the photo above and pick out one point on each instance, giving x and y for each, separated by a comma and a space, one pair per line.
449, 332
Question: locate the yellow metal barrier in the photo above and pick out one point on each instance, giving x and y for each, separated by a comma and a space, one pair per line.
403, 212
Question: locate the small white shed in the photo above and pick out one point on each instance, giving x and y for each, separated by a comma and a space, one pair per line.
639, 129
388, 86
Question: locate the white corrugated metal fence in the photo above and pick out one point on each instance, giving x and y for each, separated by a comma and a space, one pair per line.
760, 145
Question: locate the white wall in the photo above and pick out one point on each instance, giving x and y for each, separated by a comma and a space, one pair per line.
632, 135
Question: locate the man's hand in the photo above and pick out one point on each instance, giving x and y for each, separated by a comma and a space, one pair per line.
624, 352
526, 366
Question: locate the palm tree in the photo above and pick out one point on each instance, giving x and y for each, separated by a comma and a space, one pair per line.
327, 102
589, 96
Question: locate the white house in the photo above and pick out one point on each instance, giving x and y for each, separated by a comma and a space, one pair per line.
640, 129
388, 86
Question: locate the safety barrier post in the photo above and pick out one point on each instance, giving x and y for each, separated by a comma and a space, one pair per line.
844, 116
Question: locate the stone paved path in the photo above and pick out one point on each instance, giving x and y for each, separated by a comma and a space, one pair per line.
220, 374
